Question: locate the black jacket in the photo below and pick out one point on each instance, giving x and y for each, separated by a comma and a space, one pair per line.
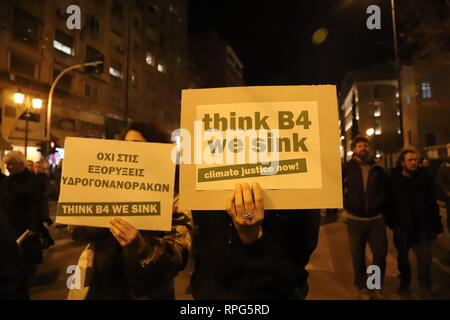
412, 204
43, 184
357, 201
271, 268
12, 281
21, 201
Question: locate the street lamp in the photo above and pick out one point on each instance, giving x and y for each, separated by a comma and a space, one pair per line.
370, 132
36, 104
55, 82
18, 98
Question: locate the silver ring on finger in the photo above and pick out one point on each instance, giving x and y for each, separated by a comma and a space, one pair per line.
248, 216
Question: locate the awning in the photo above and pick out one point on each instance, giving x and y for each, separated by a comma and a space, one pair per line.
4, 145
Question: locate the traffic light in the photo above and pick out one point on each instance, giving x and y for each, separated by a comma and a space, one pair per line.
52, 146
43, 148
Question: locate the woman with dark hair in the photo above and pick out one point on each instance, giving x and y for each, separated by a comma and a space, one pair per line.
126, 263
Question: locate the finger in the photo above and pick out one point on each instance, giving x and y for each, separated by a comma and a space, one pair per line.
249, 205
230, 205
119, 240
258, 196
118, 235
238, 201
118, 226
125, 224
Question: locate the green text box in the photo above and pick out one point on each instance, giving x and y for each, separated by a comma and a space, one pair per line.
241, 171
108, 209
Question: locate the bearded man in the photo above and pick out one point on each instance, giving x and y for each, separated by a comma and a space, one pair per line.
414, 217
364, 202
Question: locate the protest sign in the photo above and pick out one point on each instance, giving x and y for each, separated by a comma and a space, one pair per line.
284, 138
103, 179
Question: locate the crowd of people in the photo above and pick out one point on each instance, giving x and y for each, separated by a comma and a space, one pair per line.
242, 252
403, 200
25, 219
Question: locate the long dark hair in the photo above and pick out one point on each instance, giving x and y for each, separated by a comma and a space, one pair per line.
153, 132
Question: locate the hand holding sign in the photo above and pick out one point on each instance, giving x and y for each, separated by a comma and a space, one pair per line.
246, 207
125, 233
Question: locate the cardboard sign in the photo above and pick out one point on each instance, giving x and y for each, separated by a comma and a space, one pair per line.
102, 179
285, 138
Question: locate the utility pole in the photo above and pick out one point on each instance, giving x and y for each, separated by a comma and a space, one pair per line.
127, 71
397, 69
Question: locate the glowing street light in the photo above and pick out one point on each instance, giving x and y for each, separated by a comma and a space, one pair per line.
370, 131
319, 36
18, 98
36, 104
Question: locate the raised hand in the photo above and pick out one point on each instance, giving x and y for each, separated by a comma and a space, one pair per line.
246, 207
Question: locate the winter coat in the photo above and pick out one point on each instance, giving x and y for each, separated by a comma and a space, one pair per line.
112, 272
412, 205
22, 202
272, 267
357, 201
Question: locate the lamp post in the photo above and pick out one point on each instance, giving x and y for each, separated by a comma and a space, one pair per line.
397, 67
55, 82
36, 104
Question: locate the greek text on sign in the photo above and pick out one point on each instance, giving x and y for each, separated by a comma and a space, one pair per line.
103, 179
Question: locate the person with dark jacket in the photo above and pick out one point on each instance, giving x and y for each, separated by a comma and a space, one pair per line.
22, 204
364, 202
44, 187
443, 179
414, 217
12, 281
251, 253
123, 262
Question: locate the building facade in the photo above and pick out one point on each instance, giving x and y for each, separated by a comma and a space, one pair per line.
143, 43
212, 62
369, 105
426, 107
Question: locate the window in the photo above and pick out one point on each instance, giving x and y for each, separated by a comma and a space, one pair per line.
25, 28
377, 109
22, 65
90, 91
92, 54
115, 69
376, 92
63, 43
426, 90
408, 99
65, 82
152, 8
87, 90
117, 10
134, 79
94, 24
161, 68
430, 139
377, 127
150, 59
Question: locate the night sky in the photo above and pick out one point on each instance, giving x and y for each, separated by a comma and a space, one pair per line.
273, 39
